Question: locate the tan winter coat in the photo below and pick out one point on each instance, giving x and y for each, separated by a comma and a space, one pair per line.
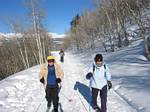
44, 72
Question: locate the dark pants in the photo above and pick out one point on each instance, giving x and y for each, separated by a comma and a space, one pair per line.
52, 96
62, 58
103, 96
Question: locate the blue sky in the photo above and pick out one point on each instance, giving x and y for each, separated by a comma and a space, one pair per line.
59, 12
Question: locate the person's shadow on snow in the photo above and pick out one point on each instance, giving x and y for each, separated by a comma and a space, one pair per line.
83, 90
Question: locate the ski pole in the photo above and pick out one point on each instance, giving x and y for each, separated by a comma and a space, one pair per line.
82, 102
70, 100
40, 102
90, 97
39, 105
60, 86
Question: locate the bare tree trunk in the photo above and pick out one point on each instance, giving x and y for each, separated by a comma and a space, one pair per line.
36, 31
26, 55
140, 25
110, 23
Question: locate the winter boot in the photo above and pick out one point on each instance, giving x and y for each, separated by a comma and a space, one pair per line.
55, 110
48, 105
97, 109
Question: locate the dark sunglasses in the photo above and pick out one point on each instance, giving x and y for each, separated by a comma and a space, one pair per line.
50, 61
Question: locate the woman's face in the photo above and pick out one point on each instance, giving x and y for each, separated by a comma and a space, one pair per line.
99, 63
50, 62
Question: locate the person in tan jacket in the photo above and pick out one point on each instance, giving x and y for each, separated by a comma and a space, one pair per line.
51, 76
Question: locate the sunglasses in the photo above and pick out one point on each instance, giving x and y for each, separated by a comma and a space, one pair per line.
50, 61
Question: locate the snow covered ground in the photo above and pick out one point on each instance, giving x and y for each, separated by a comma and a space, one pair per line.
22, 92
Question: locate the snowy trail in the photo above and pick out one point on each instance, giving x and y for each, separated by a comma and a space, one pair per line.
76, 73
22, 92
75, 88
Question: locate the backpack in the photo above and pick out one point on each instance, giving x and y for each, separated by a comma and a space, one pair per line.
104, 69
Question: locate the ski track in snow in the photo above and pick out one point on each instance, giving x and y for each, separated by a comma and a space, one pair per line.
75, 93
23, 92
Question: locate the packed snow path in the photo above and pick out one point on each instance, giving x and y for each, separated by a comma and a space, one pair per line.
75, 93
22, 92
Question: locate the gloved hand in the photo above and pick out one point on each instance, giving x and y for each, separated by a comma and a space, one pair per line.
42, 80
58, 80
109, 84
89, 75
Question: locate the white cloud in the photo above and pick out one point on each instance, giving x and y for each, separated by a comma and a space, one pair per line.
55, 35
8, 35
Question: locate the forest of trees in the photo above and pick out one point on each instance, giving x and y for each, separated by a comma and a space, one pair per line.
110, 24
32, 47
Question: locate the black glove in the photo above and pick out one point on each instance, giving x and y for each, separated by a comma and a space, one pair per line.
109, 84
89, 75
58, 80
42, 80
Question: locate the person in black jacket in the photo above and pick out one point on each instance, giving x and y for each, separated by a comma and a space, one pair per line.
62, 54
